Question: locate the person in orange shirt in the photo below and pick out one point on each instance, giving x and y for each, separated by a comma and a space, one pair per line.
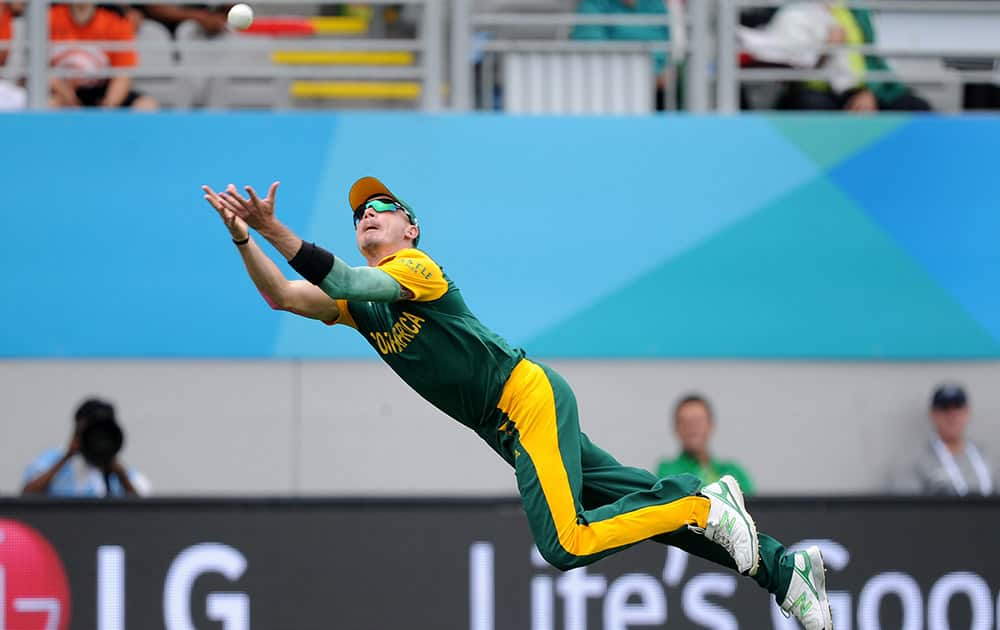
12, 96
5, 20
71, 26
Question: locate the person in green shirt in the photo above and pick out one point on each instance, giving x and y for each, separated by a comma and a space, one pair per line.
624, 32
581, 504
694, 423
630, 32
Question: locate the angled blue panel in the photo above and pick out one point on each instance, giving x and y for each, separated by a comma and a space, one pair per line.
135, 263
112, 252
808, 277
932, 187
536, 217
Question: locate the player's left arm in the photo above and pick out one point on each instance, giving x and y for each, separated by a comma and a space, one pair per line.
334, 276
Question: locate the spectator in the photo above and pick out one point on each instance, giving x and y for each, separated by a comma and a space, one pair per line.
796, 35
79, 22
950, 464
12, 96
5, 30
198, 24
693, 424
632, 33
210, 19
133, 13
89, 466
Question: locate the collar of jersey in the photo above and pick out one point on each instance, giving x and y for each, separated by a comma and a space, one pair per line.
405, 251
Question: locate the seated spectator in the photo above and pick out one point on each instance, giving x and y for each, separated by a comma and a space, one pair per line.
89, 466
693, 424
12, 96
210, 19
949, 464
632, 33
72, 25
131, 12
5, 30
796, 35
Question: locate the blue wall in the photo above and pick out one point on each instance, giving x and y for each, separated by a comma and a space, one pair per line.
811, 237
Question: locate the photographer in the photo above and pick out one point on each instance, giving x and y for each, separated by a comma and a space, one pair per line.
89, 466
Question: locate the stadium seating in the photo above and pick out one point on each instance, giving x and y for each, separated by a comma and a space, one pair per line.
158, 52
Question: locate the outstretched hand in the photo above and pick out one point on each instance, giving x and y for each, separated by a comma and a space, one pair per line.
258, 213
237, 227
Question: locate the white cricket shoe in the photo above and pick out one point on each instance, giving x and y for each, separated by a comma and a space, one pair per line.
806, 598
730, 525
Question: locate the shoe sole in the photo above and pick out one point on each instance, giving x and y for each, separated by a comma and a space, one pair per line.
821, 588
734, 489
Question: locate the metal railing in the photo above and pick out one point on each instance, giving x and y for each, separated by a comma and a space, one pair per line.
243, 55
704, 42
467, 23
731, 76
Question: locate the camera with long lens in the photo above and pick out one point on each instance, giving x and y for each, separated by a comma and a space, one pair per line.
101, 438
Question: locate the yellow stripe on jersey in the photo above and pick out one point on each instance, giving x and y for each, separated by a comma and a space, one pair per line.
414, 270
344, 317
528, 401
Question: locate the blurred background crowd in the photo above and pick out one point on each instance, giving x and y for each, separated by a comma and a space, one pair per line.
547, 56
948, 462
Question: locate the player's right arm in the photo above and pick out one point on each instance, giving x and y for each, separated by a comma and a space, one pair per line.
297, 296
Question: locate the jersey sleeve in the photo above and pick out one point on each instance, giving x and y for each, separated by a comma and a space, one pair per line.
414, 270
344, 316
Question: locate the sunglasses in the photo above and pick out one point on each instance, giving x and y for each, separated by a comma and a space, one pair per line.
379, 205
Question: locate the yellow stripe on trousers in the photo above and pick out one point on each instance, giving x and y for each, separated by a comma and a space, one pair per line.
529, 402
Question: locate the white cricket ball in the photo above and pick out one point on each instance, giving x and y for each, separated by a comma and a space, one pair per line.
240, 16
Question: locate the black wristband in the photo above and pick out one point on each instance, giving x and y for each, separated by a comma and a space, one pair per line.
312, 262
242, 242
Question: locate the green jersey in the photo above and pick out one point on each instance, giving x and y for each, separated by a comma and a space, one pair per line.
434, 342
716, 468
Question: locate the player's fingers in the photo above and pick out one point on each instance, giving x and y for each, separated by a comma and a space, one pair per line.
254, 199
215, 203
228, 201
229, 194
230, 189
210, 194
233, 197
228, 218
272, 191
213, 196
232, 205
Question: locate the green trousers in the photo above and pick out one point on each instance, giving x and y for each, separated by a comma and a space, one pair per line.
583, 505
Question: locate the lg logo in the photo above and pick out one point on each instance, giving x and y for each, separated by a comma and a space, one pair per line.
231, 609
34, 591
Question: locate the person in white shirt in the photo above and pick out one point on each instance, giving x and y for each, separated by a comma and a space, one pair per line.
950, 464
